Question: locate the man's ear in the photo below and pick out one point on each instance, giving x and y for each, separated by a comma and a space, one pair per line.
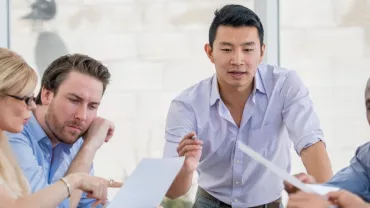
46, 96
209, 51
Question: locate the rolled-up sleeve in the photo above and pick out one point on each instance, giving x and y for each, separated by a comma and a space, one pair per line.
180, 121
298, 113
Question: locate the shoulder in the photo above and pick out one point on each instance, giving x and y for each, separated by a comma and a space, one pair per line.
199, 92
31, 131
276, 73
363, 154
279, 80
23, 136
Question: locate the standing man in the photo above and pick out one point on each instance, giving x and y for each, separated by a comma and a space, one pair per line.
244, 101
64, 132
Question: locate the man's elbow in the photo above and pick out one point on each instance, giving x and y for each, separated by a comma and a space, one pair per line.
172, 195
174, 192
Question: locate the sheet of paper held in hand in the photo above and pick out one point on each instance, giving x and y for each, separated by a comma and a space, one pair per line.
312, 188
148, 184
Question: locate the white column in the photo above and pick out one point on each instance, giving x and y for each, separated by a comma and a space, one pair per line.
4, 23
268, 11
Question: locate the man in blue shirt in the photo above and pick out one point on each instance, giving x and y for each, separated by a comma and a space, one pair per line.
244, 101
64, 132
355, 178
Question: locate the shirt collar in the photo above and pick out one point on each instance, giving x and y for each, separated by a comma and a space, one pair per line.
40, 135
215, 93
36, 128
258, 82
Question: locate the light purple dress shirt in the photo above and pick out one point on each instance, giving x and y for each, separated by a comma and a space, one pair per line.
279, 112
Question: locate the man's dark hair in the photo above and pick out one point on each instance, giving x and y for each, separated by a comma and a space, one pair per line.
59, 69
235, 16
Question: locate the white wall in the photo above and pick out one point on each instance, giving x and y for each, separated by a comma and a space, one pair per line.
4, 24
154, 50
327, 42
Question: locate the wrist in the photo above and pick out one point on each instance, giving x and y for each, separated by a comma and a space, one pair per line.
187, 170
88, 148
74, 181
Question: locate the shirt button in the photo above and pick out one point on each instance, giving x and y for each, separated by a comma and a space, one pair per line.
237, 182
238, 161
235, 200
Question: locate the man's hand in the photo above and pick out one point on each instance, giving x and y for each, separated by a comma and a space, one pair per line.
303, 178
345, 199
307, 200
100, 131
192, 150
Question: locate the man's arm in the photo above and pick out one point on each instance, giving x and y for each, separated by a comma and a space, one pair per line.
316, 162
181, 185
99, 132
86, 202
355, 177
303, 126
180, 122
81, 163
23, 151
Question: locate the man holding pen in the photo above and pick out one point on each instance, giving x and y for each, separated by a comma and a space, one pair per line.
244, 101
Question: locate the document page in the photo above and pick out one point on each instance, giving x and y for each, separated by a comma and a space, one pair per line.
313, 188
148, 184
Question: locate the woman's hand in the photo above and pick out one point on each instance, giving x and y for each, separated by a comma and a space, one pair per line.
307, 200
95, 187
345, 199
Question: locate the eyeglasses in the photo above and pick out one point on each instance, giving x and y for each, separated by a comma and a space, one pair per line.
27, 100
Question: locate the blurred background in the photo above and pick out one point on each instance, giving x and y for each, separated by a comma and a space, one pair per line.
154, 50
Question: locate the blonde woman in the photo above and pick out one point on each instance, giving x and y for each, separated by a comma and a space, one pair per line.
17, 83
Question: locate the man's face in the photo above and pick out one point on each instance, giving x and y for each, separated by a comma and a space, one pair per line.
236, 53
367, 103
73, 107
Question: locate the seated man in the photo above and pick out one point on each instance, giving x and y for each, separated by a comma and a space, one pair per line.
51, 144
355, 178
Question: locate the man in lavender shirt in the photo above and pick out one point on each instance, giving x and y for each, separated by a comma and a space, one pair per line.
244, 101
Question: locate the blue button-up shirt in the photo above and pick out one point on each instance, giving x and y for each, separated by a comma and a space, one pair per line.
356, 177
41, 163
279, 102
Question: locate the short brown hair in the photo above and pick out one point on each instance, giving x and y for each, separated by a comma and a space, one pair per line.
58, 70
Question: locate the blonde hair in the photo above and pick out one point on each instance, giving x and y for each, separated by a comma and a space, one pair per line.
19, 79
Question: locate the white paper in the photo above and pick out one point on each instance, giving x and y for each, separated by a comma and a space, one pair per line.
148, 184
322, 190
312, 188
